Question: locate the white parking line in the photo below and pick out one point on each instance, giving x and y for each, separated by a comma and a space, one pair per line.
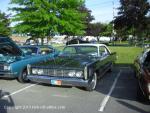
105, 100
18, 91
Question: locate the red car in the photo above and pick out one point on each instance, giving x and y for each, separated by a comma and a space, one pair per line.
142, 67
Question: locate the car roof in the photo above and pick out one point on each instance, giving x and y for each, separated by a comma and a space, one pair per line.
97, 45
30, 46
38, 46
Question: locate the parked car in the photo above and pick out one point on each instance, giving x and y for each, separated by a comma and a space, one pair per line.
142, 69
38, 49
13, 61
78, 65
31, 41
76, 41
105, 40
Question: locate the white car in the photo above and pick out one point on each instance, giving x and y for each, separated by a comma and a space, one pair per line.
104, 39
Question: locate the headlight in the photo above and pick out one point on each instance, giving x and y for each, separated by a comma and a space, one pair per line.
79, 74
149, 87
6, 67
37, 71
72, 73
34, 71
75, 74
40, 71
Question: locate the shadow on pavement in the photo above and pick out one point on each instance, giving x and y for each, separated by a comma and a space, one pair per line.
132, 107
7, 78
126, 86
5, 103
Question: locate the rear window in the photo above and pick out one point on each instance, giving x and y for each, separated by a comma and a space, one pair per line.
46, 50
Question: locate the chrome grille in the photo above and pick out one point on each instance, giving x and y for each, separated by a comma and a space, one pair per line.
1, 67
56, 72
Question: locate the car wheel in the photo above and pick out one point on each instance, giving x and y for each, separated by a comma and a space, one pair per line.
23, 77
93, 83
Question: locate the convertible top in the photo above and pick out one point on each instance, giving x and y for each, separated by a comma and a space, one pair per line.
97, 45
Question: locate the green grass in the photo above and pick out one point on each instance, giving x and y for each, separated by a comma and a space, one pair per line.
126, 55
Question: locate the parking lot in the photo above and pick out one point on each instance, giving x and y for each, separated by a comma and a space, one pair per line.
116, 92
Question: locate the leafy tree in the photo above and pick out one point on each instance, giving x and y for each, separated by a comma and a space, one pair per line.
132, 16
43, 18
147, 33
87, 19
106, 30
4, 25
95, 29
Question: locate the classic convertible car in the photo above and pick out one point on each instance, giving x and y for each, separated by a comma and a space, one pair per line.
78, 65
13, 62
142, 67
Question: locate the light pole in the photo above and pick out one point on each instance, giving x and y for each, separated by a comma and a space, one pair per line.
113, 31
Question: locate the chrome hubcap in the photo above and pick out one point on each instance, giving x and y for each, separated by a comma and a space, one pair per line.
94, 82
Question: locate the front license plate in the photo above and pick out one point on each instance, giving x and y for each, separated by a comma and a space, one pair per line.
56, 82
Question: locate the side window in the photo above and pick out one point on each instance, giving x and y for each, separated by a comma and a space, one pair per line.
71, 50
103, 51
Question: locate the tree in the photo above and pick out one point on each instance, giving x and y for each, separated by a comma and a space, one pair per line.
4, 25
95, 29
106, 30
132, 16
87, 19
44, 18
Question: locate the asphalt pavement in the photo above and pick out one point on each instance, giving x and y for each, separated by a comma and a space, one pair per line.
116, 92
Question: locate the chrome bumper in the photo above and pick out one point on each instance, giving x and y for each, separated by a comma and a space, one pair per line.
7, 74
64, 81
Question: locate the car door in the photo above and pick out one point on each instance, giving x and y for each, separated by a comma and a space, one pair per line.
104, 59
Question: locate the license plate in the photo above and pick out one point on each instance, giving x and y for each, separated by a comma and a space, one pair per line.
55, 82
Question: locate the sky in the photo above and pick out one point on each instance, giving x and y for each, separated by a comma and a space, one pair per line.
102, 10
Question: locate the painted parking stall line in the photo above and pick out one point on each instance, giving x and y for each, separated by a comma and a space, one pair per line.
18, 91
107, 97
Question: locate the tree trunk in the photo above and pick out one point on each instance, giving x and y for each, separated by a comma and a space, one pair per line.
97, 39
42, 41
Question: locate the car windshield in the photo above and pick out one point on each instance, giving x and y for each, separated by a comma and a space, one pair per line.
82, 50
147, 60
30, 50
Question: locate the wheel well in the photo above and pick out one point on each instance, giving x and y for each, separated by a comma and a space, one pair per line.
24, 69
97, 72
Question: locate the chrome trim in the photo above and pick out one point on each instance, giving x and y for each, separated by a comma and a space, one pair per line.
28, 69
85, 73
65, 81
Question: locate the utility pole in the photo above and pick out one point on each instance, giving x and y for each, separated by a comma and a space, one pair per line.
113, 31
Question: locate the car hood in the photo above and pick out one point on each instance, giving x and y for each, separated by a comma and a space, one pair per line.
64, 62
11, 59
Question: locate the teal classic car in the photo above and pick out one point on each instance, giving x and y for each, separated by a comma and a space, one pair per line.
13, 61
78, 65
